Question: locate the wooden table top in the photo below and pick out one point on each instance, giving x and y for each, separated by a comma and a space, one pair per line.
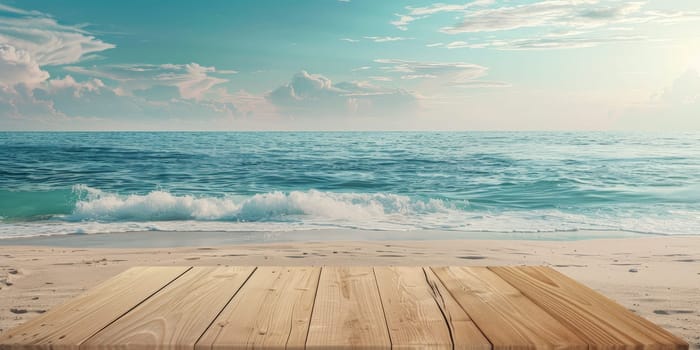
452, 307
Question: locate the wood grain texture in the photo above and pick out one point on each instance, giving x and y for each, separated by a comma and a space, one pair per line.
506, 317
602, 323
68, 325
465, 334
412, 315
474, 308
348, 311
178, 315
271, 311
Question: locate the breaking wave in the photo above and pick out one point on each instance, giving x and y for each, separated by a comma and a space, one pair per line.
94, 204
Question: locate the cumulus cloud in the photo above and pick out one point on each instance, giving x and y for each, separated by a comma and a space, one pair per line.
19, 67
312, 94
121, 93
78, 88
30, 41
91, 104
46, 40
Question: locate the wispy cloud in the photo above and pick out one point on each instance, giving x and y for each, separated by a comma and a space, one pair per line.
192, 80
446, 74
383, 39
377, 39
457, 71
379, 78
557, 13
551, 24
44, 39
547, 42
416, 13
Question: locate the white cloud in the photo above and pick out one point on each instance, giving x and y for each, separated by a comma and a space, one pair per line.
78, 88
415, 13
195, 83
446, 74
481, 84
46, 40
577, 23
377, 39
192, 80
383, 39
19, 67
380, 78
572, 13
555, 42
453, 71
457, 45
126, 94
403, 21
314, 94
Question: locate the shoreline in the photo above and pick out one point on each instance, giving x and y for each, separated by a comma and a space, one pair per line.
657, 277
171, 239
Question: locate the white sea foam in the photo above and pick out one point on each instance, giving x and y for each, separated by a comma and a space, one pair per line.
274, 206
99, 211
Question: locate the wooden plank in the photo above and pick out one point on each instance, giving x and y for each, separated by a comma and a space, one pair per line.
465, 334
412, 314
68, 325
601, 322
177, 315
348, 311
506, 317
272, 310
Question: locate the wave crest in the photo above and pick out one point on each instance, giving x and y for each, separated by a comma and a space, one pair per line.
94, 204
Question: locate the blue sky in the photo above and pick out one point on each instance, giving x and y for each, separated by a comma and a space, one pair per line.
350, 65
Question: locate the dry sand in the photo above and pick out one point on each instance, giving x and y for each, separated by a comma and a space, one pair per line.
656, 277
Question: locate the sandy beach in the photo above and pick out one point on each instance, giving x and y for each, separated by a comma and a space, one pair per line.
656, 277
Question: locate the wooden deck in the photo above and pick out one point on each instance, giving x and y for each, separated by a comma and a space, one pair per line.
514, 308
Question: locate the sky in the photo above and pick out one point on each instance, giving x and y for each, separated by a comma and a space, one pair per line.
350, 65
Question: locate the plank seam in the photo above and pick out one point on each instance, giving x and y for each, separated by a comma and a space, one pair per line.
381, 302
313, 308
80, 345
436, 294
462, 307
255, 268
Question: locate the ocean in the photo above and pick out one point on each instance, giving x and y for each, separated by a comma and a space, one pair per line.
54, 183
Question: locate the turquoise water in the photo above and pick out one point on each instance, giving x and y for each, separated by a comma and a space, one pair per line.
65, 183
